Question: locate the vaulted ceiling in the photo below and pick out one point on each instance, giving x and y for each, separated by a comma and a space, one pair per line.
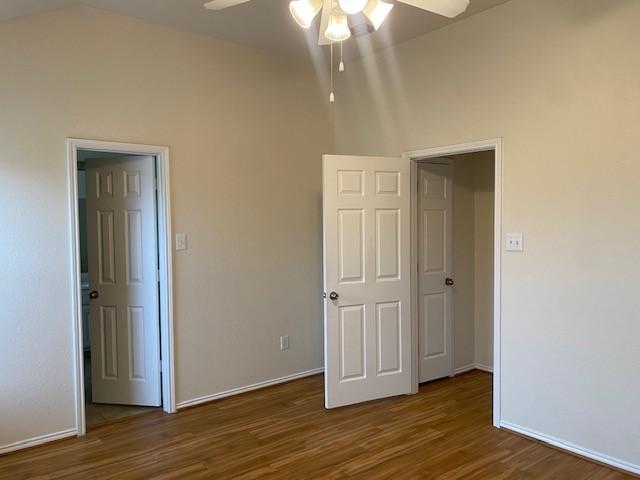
258, 23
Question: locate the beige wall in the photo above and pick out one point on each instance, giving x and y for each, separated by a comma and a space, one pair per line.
473, 259
559, 81
483, 222
463, 263
246, 131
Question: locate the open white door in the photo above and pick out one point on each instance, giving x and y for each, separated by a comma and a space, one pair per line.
123, 265
366, 214
435, 267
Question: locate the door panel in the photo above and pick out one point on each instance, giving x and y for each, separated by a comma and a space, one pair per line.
367, 263
106, 247
389, 337
135, 320
352, 342
133, 246
351, 245
109, 342
435, 334
387, 244
435, 229
434, 254
122, 254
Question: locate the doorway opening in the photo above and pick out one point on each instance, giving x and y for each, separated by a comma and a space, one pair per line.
456, 248
371, 268
121, 257
455, 264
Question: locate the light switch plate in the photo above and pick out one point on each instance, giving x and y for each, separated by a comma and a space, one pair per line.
181, 241
284, 342
515, 242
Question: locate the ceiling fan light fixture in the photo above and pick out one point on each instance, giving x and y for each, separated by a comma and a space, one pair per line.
304, 11
352, 6
338, 27
446, 8
376, 11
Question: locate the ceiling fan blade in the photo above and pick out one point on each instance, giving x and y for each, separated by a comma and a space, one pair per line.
220, 4
447, 8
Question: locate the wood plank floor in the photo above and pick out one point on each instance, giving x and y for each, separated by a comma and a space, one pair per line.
444, 432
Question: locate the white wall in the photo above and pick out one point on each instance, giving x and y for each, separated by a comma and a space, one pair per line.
560, 82
246, 131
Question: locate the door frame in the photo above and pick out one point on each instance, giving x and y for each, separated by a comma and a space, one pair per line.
161, 154
414, 157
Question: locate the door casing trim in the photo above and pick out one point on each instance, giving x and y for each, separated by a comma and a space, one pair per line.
414, 157
161, 154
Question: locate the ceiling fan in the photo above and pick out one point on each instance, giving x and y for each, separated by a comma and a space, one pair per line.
334, 24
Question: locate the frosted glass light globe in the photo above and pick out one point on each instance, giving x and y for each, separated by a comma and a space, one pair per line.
352, 6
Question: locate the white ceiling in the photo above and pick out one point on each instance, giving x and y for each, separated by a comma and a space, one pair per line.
259, 23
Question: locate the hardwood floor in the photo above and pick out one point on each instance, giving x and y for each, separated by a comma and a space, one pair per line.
444, 432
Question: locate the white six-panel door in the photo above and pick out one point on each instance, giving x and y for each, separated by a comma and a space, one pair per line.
123, 259
366, 215
435, 256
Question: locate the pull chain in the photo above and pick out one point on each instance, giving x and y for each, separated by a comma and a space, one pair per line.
331, 96
341, 66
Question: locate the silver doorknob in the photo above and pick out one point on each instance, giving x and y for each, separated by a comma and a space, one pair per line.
93, 295
449, 282
333, 296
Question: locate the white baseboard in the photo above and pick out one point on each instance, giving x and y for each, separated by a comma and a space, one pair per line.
466, 368
484, 368
32, 442
472, 366
248, 388
583, 452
